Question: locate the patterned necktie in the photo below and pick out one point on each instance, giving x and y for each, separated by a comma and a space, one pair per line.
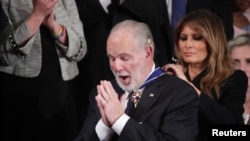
130, 105
178, 11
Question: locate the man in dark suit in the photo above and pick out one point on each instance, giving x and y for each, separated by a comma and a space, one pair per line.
99, 16
162, 106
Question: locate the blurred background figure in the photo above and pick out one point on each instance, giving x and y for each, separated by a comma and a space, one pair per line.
240, 52
241, 16
38, 61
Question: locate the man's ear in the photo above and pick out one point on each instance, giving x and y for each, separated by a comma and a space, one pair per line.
149, 50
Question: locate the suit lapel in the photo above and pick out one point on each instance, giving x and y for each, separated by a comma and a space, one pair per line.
149, 96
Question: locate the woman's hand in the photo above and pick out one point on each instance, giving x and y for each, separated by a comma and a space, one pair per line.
178, 71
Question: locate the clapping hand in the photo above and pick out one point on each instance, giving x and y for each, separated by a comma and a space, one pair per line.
42, 8
109, 104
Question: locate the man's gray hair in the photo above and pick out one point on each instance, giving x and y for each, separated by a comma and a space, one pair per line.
139, 30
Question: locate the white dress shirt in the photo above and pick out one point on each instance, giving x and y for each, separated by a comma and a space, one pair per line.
106, 3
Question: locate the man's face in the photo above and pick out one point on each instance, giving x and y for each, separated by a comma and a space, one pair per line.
128, 61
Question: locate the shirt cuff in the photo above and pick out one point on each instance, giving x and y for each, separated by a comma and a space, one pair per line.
120, 123
246, 117
103, 132
105, 4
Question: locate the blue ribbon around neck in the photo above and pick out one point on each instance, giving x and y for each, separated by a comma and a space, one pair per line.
156, 73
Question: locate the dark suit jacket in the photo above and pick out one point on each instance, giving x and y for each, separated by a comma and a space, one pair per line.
167, 110
226, 110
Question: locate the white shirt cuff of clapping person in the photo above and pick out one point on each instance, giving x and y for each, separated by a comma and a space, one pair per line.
246, 117
104, 133
105, 4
